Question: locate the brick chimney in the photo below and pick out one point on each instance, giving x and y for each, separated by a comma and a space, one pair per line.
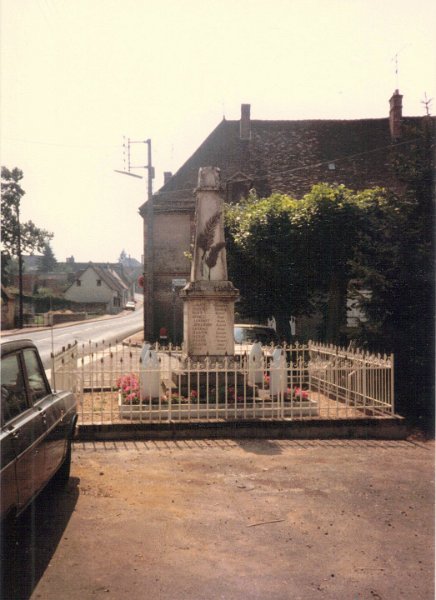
167, 176
245, 129
395, 114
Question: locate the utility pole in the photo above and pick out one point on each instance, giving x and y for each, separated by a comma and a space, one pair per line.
148, 267
20, 270
148, 281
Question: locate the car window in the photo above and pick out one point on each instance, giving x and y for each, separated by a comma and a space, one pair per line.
35, 377
238, 334
13, 393
264, 335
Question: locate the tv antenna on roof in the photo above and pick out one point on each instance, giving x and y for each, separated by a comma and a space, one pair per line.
395, 59
126, 159
426, 102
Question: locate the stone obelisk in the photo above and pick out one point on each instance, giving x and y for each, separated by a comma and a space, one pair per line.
209, 298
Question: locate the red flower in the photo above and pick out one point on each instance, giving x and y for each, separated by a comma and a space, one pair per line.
302, 394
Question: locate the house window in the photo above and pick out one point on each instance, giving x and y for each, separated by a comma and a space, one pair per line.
78, 283
98, 282
238, 189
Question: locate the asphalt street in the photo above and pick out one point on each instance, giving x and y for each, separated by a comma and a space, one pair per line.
108, 329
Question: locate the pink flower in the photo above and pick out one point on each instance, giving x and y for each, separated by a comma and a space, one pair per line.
128, 386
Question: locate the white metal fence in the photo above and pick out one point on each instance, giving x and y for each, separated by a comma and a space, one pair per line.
115, 384
353, 378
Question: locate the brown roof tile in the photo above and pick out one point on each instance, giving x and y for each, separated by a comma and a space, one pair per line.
291, 156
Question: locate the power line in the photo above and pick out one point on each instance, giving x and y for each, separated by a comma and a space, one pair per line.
335, 160
58, 144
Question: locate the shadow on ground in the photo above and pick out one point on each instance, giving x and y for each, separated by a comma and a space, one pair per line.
27, 551
267, 447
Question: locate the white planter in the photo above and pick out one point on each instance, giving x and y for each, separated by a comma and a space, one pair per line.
134, 412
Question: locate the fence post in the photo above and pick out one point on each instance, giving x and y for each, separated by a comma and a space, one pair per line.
364, 390
278, 379
255, 371
392, 385
150, 376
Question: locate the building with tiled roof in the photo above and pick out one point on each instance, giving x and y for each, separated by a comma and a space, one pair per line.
270, 156
96, 284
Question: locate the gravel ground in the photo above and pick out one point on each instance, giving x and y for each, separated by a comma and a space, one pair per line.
222, 519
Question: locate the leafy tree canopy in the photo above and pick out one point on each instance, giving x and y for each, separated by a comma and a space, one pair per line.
48, 260
31, 238
286, 255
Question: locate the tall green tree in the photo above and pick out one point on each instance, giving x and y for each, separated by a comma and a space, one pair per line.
395, 260
292, 256
48, 260
260, 256
328, 222
17, 236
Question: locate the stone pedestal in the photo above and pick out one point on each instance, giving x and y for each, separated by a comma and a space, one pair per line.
208, 318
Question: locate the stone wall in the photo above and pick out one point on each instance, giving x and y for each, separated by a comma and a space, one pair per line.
58, 318
171, 239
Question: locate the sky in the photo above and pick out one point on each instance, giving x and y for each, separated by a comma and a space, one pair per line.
78, 75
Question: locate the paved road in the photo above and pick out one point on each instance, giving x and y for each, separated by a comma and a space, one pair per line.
110, 329
229, 520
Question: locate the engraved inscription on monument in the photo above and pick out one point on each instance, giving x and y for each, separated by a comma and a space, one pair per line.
211, 328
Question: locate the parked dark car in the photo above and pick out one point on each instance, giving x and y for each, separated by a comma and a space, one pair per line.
246, 334
37, 428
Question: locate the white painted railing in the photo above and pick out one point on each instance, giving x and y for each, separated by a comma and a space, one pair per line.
295, 382
353, 377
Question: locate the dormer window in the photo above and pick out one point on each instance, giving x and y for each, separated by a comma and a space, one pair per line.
237, 187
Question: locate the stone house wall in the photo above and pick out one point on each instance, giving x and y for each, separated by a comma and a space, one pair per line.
172, 238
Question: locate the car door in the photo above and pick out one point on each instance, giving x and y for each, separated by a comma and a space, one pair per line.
25, 428
13, 403
49, 408
8, 487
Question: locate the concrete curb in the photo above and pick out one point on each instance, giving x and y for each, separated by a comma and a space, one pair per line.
384, 428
